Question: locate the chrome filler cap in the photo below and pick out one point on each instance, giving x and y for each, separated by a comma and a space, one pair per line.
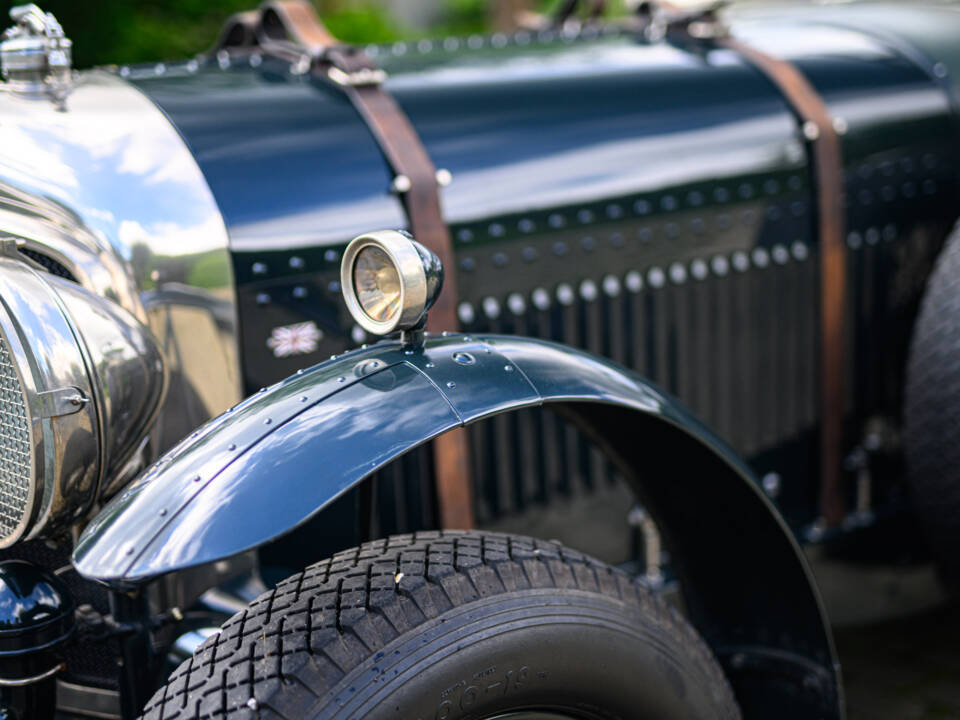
34, 54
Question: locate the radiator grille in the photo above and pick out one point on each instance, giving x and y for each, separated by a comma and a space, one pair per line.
14, 446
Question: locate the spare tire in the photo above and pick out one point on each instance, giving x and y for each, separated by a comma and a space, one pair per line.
452, 625
932, 410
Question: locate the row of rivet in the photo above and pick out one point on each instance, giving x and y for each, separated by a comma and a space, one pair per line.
521, 38
643, 207
634, 280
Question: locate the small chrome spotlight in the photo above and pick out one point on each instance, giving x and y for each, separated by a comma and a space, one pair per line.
389, 281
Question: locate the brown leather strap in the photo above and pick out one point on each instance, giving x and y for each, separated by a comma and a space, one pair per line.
818, 129
659, 19
290, 28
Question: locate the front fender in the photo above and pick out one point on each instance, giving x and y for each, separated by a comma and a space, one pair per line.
281, 456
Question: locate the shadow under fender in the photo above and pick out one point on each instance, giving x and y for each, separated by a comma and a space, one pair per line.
281, 456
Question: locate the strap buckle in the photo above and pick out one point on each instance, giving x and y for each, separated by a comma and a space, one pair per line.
364, 77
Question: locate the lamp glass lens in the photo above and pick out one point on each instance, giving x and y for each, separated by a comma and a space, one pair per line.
377, 284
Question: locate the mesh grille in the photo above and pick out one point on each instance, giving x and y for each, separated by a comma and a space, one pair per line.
14, 446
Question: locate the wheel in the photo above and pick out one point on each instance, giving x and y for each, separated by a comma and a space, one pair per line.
449, 625
932, 410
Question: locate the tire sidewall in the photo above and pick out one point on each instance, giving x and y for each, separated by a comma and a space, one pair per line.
569, 651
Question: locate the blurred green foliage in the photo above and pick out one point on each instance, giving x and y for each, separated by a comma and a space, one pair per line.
132, 31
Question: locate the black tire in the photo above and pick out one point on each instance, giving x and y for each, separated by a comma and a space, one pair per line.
932, 410
451, 625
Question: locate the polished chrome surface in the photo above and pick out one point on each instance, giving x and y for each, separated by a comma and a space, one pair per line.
92, 378
418, 273
108, 191
66, 449
35, 55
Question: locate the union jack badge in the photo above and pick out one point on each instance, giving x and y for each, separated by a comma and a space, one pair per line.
298, 339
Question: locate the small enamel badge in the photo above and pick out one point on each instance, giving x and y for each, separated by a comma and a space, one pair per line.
298, 339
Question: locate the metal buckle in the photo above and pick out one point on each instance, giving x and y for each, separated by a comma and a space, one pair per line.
359, 78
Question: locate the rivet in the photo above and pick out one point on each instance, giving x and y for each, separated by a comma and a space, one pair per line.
588, 244
588, 290
341, 379
401, 184
231, 447
300, 292
253, 704
296, 262
375, 363
940, 70
500, 259
761, 258
541, 298
451, 384
430, 365
516, 304
463, 358
699, 270
678, 273
464, 235
163, 513
263, 299
466, 313
565, 294
526, 225
444, 177
529, 254
491, 307
720, 265
771, 484
656, 277
268, 421
611, 285
556, 221
303, 398
668, 203
780, 255
585, 216
159, 69
129, 550
197, 478
508, 368
741, 263
256, 59
799, 250
811, 130
634, 281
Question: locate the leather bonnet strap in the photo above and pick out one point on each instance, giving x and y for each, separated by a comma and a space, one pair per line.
703, 27
291, 30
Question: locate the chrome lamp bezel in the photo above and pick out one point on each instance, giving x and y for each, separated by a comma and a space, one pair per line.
421, 278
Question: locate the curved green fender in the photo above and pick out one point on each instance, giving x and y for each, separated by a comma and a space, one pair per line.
281, 456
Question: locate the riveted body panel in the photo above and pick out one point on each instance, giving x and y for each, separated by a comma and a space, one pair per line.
649, 203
